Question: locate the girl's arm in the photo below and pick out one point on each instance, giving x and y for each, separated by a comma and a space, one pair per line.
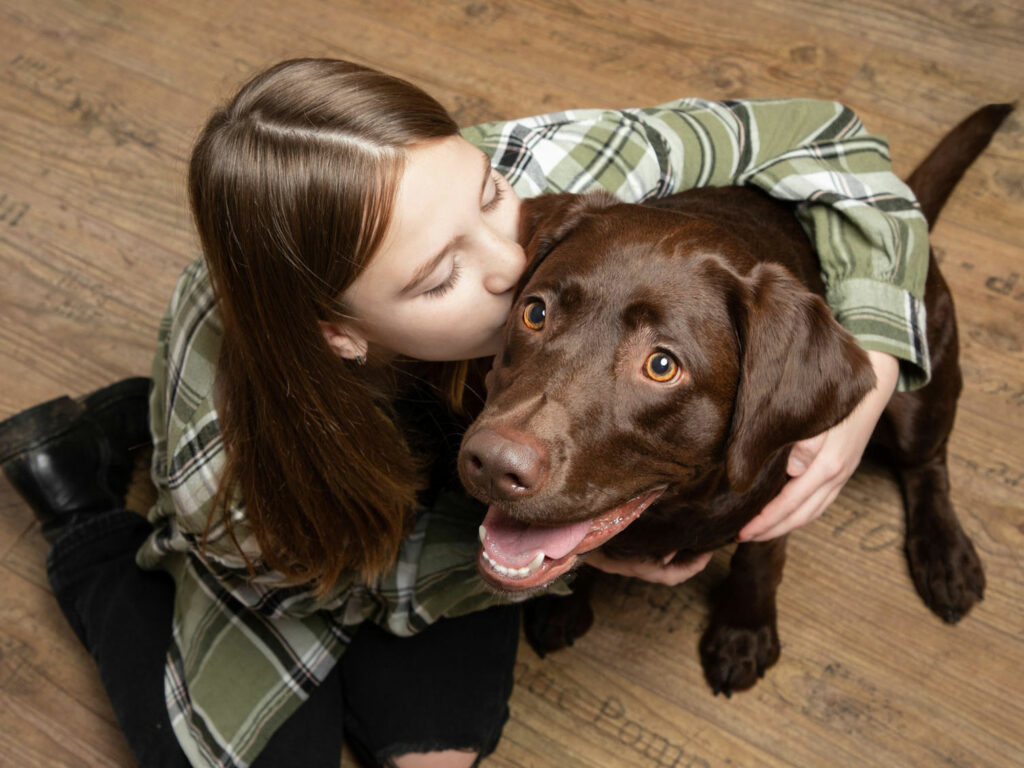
869, 234
872, 241
866, 227
821, 465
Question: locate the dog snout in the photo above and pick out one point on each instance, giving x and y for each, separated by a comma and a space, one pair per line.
500, 468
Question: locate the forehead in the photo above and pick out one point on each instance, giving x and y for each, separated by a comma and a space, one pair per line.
617, 256
437, 195
616, 284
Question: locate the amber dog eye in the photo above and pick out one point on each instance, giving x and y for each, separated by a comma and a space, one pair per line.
661, 367
534, 315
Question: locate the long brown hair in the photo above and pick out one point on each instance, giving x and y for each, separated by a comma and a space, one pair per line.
292, 185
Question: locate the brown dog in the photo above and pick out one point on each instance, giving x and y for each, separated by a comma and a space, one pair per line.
657, 366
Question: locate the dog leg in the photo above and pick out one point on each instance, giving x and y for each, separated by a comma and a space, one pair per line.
742, 639
944, 565
915, 427
553, 622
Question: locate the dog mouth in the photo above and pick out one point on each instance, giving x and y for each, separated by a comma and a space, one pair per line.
517, 556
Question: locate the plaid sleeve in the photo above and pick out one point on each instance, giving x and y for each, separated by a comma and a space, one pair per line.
865, 224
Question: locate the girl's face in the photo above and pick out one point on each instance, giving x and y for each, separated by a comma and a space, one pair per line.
440, 285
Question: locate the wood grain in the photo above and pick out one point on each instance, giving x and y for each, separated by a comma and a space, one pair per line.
99, 103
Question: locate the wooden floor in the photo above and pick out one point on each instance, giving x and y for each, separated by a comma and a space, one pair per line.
99, 103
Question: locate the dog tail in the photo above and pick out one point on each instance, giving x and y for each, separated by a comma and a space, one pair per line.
933, 180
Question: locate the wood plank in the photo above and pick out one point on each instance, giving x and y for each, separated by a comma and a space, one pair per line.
52, 704
100, 101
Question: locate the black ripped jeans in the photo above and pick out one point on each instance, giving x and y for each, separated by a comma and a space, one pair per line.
445, 688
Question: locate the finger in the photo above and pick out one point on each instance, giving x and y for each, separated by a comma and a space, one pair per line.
802, 455
677, 574
825, 472
812, 509
792, 496
796, 520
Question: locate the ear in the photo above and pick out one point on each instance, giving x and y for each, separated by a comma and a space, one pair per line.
344, 340
801, 372
546, 220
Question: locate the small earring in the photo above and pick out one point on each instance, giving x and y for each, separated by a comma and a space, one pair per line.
360, 359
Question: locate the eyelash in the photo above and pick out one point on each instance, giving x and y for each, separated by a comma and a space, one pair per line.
447, 285
499, 193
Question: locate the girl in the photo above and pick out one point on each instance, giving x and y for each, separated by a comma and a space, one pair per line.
302, 455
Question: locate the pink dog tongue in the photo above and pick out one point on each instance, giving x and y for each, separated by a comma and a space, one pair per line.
514, 544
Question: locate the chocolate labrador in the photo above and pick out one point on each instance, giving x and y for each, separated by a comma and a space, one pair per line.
657, 366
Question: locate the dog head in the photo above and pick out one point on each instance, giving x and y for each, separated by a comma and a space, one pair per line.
649, 352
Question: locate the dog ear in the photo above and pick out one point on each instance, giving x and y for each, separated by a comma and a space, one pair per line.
546, 220
801, 372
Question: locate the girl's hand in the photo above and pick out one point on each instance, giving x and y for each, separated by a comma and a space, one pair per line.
821, 465
656, 572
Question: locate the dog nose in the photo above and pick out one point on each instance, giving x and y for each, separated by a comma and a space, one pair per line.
500, 467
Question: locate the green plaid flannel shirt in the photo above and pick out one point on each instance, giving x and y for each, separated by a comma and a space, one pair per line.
246, 652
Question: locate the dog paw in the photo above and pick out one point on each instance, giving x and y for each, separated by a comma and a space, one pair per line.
946, 570
554, 622
734, 658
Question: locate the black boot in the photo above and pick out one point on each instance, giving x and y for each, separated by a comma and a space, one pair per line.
69, 458
122, 411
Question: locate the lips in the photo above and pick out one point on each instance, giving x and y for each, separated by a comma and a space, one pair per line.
517, 556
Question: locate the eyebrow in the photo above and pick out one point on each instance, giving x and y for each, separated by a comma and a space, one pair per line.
425, 269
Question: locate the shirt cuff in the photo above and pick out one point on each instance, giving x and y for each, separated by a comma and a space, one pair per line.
888, 319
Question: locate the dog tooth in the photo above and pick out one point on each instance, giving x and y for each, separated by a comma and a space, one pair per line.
535, 564
519, 573
483, 532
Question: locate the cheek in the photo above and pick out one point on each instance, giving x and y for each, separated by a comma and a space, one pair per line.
405, 327
509, 225
691, 429
450, 327
704, 426
466, 321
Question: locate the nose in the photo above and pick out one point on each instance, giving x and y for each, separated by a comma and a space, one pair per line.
498, 467
506, 263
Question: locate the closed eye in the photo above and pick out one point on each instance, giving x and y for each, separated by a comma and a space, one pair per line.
499, 194
448, 284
